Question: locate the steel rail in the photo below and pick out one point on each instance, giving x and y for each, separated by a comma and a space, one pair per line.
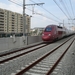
39, 59
57, 62
13, 57
14, 51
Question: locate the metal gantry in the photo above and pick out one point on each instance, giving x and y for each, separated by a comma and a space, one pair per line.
24, 15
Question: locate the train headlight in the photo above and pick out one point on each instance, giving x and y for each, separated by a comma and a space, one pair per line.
42, 34
49, 34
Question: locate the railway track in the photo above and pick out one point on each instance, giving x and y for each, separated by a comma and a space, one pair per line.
15, 62
17, 50
15, 54
46, 64
12, 55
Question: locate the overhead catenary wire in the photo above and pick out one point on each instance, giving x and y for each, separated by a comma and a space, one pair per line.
72, 8
34, 11
51, 13
16, 3
65, 8
60, 8
47, 11
64, 5
43, 15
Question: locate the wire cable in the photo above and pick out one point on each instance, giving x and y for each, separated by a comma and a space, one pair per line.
72, 8
60, 8
15, 3
47, 10
44, 16
35, 12
65, 8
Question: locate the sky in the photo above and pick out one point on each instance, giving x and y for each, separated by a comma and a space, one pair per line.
51, 12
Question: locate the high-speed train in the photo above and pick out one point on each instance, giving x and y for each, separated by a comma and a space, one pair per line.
53, 32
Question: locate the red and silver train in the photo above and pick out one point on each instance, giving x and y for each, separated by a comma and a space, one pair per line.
53, 32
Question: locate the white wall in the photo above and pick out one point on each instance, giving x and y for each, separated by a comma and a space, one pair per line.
17, 42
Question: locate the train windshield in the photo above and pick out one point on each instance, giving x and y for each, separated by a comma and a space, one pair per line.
48, 29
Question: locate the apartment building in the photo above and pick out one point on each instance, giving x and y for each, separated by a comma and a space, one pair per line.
12, 23
20, 23
3, 21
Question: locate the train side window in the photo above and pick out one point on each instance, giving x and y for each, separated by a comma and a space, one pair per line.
59, 27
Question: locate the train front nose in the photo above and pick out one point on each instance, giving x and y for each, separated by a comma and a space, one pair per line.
46, 37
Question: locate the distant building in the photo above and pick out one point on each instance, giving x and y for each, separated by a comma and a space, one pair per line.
37, 31
12, 23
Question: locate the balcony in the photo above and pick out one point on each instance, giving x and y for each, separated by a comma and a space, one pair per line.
13, 28
1, 29
1, 15
13, 18
1, 23
1, 12
13, 23
2, 18
13, 15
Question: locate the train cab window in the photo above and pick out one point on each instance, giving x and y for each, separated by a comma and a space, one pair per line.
48, 29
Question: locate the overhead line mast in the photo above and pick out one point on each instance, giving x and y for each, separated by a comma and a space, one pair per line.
24, 15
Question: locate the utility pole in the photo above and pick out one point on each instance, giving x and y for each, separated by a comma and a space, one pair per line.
24, 22
24, 17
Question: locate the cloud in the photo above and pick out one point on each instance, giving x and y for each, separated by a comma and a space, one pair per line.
11, 7
15, 8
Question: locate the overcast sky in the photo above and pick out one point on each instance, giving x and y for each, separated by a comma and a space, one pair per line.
46, 14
